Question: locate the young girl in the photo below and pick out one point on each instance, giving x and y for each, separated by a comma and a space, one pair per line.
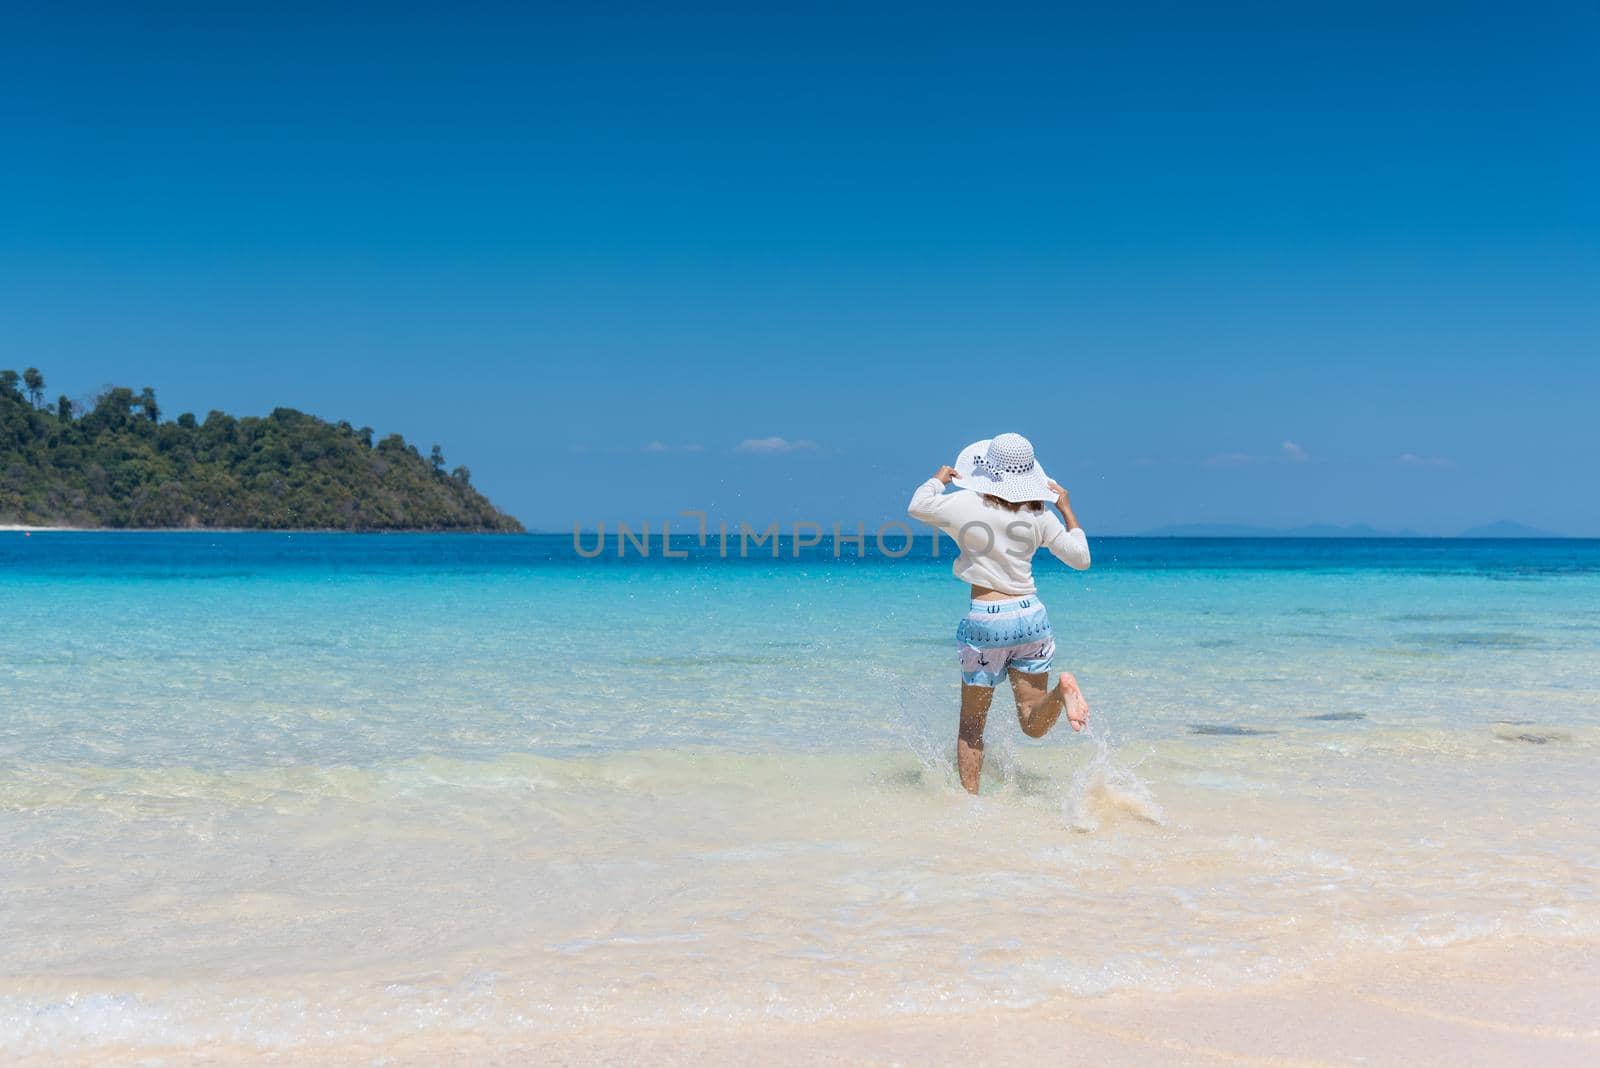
999, 525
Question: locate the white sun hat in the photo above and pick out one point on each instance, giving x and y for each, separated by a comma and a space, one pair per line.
1003, 467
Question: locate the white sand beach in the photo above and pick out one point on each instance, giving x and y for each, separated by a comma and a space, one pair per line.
1530, 1004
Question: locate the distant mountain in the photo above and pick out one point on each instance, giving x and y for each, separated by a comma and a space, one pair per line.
120, 465
1211, 530
1506, 528
1243, 530
1355, 530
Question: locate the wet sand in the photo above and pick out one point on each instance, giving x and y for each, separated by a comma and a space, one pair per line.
1537, 1003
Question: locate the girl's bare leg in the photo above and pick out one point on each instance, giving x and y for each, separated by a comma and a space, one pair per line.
969, 735
1038, 708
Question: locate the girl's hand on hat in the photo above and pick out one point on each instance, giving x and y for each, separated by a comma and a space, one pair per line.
1064, 503
945, 474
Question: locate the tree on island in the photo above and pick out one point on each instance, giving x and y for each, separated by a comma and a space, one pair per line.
34, 382
117, 464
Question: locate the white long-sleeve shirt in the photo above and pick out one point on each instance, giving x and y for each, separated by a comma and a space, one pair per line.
997, 544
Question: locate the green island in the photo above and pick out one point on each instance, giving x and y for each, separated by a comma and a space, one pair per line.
117, 464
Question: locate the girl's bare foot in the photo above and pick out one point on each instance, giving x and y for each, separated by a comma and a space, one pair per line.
1072, 697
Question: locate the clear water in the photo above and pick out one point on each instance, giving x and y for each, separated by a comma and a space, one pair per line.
275, 789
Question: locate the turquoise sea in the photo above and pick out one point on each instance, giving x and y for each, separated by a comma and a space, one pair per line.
262, 790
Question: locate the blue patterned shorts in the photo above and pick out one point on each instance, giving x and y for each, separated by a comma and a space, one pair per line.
996, 635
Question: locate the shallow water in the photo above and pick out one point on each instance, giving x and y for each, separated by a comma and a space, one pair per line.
266, 789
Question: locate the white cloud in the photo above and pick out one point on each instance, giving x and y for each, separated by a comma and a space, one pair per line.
1288, 453
773, 444
655, 446
660, 447
1411, 459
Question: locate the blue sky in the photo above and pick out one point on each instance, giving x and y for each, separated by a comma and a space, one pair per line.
1258, 263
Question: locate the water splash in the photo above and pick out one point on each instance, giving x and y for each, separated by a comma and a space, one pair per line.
916, 713
1105, 786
